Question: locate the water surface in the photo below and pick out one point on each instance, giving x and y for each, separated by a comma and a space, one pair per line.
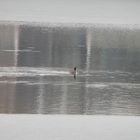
35, 62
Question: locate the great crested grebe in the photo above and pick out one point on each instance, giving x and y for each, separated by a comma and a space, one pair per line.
74, 72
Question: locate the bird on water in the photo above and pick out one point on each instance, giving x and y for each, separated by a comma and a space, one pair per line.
74, 72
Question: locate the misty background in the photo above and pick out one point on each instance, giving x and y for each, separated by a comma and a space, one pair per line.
71, 11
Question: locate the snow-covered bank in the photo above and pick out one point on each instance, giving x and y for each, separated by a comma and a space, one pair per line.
69, 127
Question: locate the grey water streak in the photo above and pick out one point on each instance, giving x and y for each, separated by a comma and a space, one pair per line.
35, 62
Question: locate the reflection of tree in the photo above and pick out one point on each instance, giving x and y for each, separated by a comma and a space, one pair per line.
40, 97
7, 96
8, 57
88, 47
7, 39
16, 41
58, 47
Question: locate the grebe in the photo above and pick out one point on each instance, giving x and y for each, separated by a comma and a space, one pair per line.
74, 72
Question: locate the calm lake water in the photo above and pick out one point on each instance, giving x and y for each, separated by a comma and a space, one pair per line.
35, 61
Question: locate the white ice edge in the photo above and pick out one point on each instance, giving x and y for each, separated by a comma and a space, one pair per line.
29, 71
69, 127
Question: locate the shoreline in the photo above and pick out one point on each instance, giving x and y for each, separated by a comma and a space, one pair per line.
70, 24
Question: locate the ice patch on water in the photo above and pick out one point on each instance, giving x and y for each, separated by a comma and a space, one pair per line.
30, 72
113, 85
97, 85
125, 85
25, 50
13, 82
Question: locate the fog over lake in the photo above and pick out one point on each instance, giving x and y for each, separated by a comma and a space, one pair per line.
71, 11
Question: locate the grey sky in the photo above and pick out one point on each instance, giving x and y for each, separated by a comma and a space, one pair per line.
85, 11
